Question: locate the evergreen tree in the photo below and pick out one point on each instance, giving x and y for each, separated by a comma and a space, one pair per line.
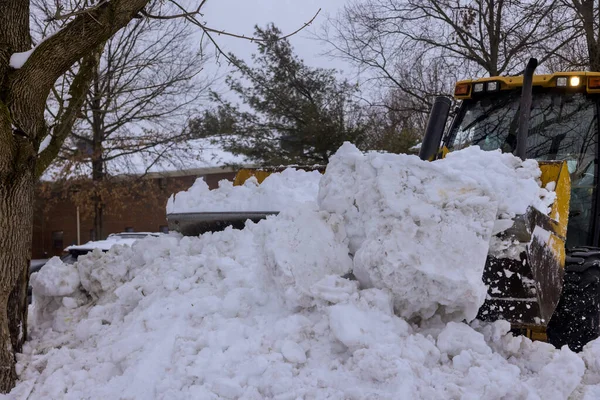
292, 113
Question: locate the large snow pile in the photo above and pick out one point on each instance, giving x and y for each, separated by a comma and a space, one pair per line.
277, 192
423, 229
265, 312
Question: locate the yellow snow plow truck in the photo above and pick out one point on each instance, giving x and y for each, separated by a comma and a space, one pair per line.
551, 289
547, 285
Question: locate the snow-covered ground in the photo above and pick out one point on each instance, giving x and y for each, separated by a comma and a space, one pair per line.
265, 312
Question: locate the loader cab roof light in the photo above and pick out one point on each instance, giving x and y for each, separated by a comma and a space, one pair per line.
462, 89
561, 81
478, 87
594, 82
492, 86
574, 81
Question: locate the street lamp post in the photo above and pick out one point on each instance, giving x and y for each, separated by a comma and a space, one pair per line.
78, 228
75, 190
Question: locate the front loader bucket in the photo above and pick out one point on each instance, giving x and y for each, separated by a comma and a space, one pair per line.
525, 290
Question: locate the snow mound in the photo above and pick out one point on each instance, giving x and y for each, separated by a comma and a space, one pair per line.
57, 279
300, 248
422, 229
277, 192
266, 313
203, 318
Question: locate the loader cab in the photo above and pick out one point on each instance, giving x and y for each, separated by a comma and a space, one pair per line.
563, 125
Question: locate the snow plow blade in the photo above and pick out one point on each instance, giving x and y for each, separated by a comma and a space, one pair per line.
525, 290
194, 224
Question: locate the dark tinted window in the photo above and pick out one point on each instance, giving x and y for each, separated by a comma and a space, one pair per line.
563, 126
57, 240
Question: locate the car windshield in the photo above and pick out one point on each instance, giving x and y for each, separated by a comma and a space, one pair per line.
563, 126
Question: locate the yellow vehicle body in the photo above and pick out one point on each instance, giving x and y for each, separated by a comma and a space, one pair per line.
567, 291
590, 81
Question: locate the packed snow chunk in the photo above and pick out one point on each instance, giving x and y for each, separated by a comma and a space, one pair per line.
293, 352
55, 279
101, 273
559, 378
515, 183
358, 324
338, 187
423, 229
589, 355
334, 289
277, 192
301, 247
457, 337
105, 272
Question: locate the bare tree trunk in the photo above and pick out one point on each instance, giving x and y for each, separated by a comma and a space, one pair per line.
97, 155
16, 222
17, 308
8, 374
17, 166
97, 178
98, 218
15, 246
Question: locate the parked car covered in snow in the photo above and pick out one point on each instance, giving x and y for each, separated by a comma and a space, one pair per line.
128, 238
35, 265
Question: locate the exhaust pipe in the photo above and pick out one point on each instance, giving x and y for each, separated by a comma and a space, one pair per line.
525, 109
435, 128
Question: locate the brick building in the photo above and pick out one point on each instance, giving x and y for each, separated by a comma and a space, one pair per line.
55, 222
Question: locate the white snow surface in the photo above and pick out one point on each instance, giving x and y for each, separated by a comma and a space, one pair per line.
277, 192
58, 279
264, 312
17, 60
423, 229
45, 143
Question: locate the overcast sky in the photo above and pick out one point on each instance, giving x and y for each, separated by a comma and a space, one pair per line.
240, 16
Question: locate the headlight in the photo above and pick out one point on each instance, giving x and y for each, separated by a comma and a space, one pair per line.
478, 87
561, 81
492, 86
574, 81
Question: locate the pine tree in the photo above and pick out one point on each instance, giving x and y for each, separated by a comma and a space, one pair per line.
296, 114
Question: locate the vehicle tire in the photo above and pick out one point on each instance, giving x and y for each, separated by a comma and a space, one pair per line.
576, 320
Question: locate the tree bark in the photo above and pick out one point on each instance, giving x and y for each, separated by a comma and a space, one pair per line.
97, 156
17, 308
16, 225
